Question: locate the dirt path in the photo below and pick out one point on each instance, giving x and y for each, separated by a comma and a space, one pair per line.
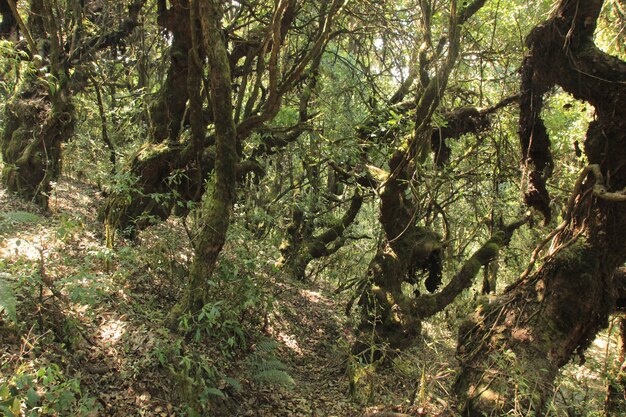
312, 332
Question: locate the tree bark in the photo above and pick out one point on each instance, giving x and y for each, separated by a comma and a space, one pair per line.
511, 350
40, 117
37, 119
217, 204
301, 246
146, 197
151, 195
387, 316
37, 122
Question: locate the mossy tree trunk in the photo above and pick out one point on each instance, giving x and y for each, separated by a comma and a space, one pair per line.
301, 246
148, 191
37, 122
512, 350
388, 316
151, 193
41, 116
213, 216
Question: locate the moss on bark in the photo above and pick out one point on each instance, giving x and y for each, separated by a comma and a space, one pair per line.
37, 122
217, 204
542, 321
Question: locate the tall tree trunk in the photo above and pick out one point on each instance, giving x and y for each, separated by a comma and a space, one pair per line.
161, 154
388, 315
217, 204
39, 117
37, 122
511, 350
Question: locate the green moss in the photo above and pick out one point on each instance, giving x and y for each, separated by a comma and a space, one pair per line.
472, 266
150, 151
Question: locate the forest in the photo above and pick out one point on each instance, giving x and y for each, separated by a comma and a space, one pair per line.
325, 208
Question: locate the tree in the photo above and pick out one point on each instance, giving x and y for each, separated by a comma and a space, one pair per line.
213, 216
41, 115
390, 315
540, 322
302, 245
261, 82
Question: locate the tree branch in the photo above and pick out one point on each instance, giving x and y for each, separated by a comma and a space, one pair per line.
427, 305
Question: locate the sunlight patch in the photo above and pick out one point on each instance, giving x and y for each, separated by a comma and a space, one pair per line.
600, 342
112, 330
20, 248
313, 296
290, 341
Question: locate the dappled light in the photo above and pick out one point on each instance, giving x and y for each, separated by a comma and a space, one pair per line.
321, 208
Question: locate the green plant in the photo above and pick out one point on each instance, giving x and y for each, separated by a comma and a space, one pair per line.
44, 392
11, 219
69, 227
211, 322
266, 367
7, 297
199, 379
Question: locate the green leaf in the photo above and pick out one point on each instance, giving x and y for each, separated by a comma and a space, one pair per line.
216, 392
12, 218
7, 298
233, 383
21, 217
275, 376
32, 398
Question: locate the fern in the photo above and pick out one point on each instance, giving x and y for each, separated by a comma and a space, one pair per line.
233, 383
20, 217
270, 364
275, 377
11, 218
7, 298
216, 392
267, 367
266, 347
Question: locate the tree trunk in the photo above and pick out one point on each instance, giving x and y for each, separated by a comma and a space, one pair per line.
39, 117
301, 246
217, 204
36, 124
511, 350
148, 192
388, 315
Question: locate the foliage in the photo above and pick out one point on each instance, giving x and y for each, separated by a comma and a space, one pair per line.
9, 220
322, 136
266, 367
42, 392
7, 297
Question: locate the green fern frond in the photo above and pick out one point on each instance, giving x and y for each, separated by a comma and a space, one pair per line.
275, 377
269, 365
266, 347
216, 392
11, 218
233, 383
19, 217
7, 297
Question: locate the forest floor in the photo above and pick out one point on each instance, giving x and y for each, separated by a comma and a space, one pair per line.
90, 336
